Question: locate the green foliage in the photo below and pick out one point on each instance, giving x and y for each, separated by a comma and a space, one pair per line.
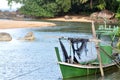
118, 0
17, 1
51, 8
118, 11
83, 1
64, 5
43, 8
101, 5
33, 8
117, 15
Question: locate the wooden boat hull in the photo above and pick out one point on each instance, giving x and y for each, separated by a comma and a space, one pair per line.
75, 70
72, 70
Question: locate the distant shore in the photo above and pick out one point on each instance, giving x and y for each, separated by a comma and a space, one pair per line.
84, 18
6, 24
73, 19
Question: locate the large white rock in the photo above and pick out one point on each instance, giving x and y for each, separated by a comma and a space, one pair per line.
29, 36
5, 36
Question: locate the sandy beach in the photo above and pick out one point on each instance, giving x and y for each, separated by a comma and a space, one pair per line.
73, 19
5, 24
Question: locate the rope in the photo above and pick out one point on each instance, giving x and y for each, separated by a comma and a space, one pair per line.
24, 74
117, 63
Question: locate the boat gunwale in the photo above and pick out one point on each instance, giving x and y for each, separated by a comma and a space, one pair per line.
87, 66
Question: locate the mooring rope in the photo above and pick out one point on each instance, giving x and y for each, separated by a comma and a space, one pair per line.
117, 63
24, 74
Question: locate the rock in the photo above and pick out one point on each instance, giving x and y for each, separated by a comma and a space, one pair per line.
106, 14
29, 36
66, 17
102, 16
11, 15
94, 15
5, 37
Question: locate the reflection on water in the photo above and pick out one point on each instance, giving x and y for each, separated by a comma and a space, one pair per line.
75, 27
36, 60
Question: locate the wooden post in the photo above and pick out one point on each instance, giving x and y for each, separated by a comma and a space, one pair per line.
93, 30
100, 62
97, 47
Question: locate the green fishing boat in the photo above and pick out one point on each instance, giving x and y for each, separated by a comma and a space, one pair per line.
111, 31
73, 64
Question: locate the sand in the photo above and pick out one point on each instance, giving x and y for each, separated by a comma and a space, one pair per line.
5, 24
73, 19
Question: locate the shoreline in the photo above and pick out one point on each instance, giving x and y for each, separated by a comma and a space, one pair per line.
73, 19
8, 24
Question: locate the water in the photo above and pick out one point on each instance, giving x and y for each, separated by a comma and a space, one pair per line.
36, 60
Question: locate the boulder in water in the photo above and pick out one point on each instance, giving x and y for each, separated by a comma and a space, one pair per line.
29, 36
5, 36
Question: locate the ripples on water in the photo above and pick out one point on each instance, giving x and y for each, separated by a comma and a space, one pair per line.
36, 60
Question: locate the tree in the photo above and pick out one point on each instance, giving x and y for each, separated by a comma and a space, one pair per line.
118, 10
64, 5
51, 8
48, 8
37, 8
